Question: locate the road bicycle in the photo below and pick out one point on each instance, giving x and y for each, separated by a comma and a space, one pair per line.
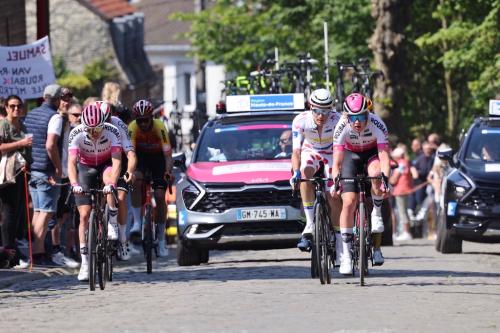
101, 250
150, 230
323, 242
362, 244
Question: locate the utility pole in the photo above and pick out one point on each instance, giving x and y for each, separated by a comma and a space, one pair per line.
42, 19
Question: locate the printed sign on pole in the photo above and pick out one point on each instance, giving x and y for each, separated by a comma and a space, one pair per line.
25, 70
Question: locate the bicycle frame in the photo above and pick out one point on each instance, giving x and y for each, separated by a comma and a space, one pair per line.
361, 246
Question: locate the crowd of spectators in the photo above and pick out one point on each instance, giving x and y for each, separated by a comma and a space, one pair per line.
416, 185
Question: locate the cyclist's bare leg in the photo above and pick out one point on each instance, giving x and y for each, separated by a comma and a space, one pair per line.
377, 196
84, 211
335, 209
107, 178
349, 202
136, 197
161, 211
307, 194
376, 216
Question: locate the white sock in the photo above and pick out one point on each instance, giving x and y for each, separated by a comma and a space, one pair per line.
346, 232
113, 215
136, 212
84, 254
377, 204
339, 247
309, 212
122, 229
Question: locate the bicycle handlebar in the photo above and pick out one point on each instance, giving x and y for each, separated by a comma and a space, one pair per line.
382, 177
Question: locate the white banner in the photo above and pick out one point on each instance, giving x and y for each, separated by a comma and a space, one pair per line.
25, 70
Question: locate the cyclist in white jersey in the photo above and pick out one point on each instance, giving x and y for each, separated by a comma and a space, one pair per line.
127, 176
362, 135
94, 149
312, 142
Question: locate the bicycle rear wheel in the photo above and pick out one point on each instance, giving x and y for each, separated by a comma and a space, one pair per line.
363, 263
148, 240
92, 240
320, 244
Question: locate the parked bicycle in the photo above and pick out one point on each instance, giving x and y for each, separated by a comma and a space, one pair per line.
362, 245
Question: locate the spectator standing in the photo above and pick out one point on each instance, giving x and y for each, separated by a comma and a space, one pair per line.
420, 169
416, 147
401, 180
13, 139
63, 210
45, 124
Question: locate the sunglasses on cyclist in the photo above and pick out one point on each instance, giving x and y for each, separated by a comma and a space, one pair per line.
360, 117
93, 131
142, 121
323, 112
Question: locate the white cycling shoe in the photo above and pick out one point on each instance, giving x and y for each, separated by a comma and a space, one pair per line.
112, 231
345, 265
83, 275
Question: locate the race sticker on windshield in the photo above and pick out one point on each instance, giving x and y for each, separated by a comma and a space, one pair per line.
251, 167
492, 167
252, 127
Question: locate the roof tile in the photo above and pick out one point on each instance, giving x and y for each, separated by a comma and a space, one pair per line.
112, 8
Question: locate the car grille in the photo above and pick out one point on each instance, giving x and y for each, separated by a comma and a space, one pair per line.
482, 197
218, 202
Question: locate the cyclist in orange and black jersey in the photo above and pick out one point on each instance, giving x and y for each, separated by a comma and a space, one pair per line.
154, 153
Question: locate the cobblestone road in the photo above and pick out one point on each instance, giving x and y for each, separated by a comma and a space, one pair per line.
417, 290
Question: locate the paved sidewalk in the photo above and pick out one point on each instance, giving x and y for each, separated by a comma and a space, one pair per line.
11, 276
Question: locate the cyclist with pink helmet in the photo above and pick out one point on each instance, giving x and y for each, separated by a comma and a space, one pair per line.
127, 175
312, 143
363, 135
95, 150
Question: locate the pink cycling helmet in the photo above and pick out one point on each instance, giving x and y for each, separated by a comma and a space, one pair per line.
142, 108
92, 116
356, 104
105, 108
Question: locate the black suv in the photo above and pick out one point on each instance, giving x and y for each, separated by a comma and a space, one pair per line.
470, 204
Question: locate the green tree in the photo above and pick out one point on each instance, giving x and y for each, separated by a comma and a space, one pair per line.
241, 34
468, 51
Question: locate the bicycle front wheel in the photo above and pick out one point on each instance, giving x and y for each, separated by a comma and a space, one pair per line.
102, 253
362, 245
320, 244
148, 239
92, 241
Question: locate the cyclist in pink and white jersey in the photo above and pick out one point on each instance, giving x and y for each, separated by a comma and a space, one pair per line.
312, 142
362, 135
94, 150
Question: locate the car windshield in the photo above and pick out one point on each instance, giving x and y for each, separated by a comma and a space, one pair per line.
483, 147
244, 142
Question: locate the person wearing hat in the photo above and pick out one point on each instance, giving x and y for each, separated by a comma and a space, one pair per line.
45, 124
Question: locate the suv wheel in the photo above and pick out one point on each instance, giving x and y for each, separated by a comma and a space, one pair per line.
445, 241
186, 255
204, 256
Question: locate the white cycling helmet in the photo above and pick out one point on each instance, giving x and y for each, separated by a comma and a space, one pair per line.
321, 98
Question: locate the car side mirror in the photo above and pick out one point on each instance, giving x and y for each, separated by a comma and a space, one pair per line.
180, 161
447, 155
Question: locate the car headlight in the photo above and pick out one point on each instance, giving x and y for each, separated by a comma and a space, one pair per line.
458, 185
191, 194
